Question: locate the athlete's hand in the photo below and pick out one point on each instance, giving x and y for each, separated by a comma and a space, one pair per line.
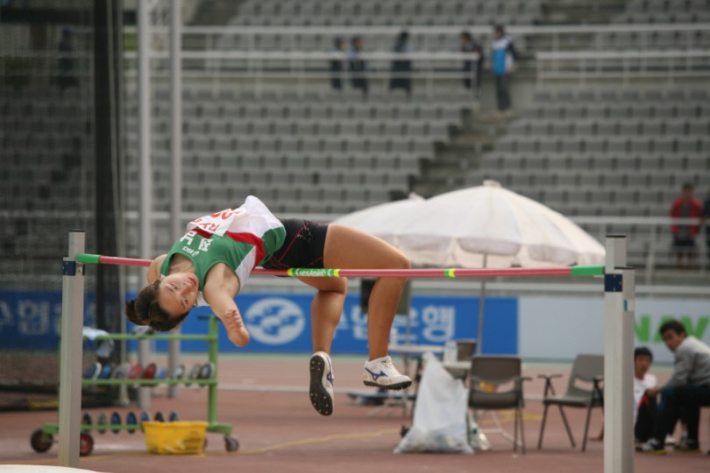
236, 330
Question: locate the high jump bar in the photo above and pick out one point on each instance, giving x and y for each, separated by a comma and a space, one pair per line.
370, 273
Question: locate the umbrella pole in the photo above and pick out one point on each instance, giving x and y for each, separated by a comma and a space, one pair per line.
481, 311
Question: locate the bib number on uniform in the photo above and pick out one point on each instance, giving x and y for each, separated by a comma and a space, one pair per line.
217, 223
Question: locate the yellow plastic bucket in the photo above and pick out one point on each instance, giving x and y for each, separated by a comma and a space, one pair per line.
175, 438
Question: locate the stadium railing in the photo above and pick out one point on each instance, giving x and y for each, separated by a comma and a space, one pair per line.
667, 65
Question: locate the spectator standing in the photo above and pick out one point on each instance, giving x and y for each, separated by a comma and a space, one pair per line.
357, 66
67, 77
336, 64
685, 206
470, 80
685, 392
401, 69
706, 224
503, 58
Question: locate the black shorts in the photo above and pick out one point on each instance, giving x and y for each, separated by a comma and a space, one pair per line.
303, 246
683, 243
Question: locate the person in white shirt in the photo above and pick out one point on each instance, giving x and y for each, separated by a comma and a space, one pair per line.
643, 381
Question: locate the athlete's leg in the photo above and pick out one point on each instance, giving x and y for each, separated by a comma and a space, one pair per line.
326, 308
347, 248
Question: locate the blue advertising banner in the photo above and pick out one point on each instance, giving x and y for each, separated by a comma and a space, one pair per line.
281, 323
30, 320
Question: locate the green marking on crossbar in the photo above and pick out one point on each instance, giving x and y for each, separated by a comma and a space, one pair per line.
87, 259
587, 270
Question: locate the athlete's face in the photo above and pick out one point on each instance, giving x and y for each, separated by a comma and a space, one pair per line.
178, 293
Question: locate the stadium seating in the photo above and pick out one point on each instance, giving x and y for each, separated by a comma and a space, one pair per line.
394, 13
665, 11
332, 155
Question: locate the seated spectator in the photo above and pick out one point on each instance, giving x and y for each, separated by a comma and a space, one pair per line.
644, 406
685, 206
686, 391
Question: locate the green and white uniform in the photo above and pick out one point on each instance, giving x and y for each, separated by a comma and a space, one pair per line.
241, 238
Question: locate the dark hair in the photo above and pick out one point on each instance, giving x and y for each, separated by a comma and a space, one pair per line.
403, 37
643, 351
674, 325
499, 29
145, 310
466, 35
687, 186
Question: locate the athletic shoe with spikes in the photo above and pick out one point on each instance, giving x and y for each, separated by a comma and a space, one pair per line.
652, 447
381, 373
321, 391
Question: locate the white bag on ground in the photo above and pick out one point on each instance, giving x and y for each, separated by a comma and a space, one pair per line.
440, 413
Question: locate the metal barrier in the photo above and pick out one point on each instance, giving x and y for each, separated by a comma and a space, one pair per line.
552, 38
626, 65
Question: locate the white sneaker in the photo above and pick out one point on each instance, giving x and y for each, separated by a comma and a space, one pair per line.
321, 391
381, 373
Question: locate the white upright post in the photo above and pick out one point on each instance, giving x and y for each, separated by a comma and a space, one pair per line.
176, 150
146, 171
619, 301
70, 353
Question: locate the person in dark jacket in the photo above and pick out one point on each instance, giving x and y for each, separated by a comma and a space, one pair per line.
472, 74
336, 64
402, 68
357, 66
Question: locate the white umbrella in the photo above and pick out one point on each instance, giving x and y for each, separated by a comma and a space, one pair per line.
460, 228
381, 220
484, 226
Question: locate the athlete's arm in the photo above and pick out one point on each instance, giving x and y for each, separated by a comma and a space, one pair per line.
154, 269
221, 300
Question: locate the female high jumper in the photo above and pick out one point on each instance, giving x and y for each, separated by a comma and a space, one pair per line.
213, 260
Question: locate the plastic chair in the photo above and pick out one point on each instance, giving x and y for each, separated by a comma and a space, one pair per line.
488, 371
587, 369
